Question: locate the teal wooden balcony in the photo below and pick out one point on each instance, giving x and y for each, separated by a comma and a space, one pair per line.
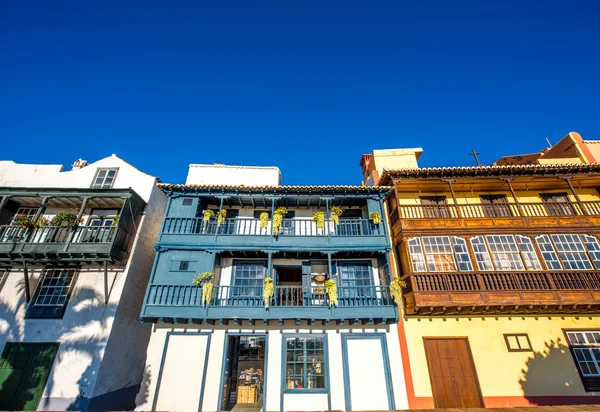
295, 234
183, 304
47, 243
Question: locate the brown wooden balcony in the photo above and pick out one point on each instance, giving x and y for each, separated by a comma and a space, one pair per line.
472, 293
485, 216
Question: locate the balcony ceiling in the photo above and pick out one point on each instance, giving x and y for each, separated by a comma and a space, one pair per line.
70, 202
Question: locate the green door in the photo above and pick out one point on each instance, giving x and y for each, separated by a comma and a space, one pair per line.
24, 370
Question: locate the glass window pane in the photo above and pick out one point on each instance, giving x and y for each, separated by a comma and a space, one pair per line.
416, 255
505, 252
482, 255
305, 363
462, 254
572, 252
529, 256
591, 242
439, 253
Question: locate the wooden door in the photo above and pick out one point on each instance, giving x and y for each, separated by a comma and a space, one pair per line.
435, 207
557, 204
452, 372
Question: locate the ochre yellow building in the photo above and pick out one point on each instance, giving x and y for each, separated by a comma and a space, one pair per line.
502, 265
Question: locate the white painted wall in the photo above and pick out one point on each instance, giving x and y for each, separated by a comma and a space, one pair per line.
274, 365
199, 174
102, 347
368, 390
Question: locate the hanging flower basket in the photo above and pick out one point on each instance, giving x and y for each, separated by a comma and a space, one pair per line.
375, 217
207, 215
221, 216
396, 291
280, 212
264, 220
205, 280
335, 213
319, 219
268, 291
331, 289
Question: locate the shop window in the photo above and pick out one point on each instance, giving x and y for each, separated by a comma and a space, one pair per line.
585, 348
304, 363
528, 252
484, 262
517, 342
52, 295
505, 252
572, 252
548, 252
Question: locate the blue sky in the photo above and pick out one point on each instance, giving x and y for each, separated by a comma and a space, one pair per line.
304, 85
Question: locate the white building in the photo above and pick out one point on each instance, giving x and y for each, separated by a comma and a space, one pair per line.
302, 352
76, 250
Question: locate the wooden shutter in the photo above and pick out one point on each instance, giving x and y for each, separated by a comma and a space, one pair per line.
557, 204
454, 381
435, 206
495, 205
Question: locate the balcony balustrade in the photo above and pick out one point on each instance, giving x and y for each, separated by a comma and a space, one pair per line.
503, 292
294, 233
373, 303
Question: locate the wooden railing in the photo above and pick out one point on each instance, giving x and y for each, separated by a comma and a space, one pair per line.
57, 234
480, 210
289, 227
504, 281
284, 296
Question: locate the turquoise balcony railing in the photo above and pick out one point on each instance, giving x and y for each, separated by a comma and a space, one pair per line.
294, 233
368, 303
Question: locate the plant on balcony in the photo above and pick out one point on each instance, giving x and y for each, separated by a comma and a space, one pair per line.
116, 220
264, 220
221, 215
319, 219
335, 213
24, 221
268, 291
278, 216
204, 279
375, 217
331, 289
207, 215
65, 219
42, 221
396, 291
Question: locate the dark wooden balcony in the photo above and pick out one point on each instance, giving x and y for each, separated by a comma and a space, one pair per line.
183, 304
470, 293
509, 215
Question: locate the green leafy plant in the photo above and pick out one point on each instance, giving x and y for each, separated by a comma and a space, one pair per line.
268, 291
116, 220
221, 216
331, 289
396, 290
319, 219
204, 279
335, 212
42, 221
65, 219
207, 215
24, 221
375, 217
280, 212
264, 220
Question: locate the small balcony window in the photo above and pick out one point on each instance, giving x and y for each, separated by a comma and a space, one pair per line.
52, 295
104, 179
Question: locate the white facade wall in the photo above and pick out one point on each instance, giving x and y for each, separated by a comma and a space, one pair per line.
233, 175
188, 384
102, 346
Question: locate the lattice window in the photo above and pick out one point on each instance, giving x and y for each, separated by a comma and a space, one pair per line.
593, 247
462, 253
304, 363
416, 255
572, 252
249, 274
355, 274
548, 252
105, 178
505, 252
528, 252
484, 262
439, 253
586, 349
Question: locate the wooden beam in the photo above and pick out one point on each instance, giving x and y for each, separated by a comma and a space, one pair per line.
26, 280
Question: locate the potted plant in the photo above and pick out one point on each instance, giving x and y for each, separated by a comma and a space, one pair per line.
331, 289
221, 216
268, 291
204, 279
396, 291
264, 220
335, 213
319, 219
65, 219
280, 212
24, 221
375, 217
207, 215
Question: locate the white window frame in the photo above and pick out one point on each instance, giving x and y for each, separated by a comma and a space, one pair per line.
63, 297
441, 252
548, 251
593, 248
482, 254
105, 177
585, 345
530, 258
503, 257
461, 252
417, 257
571, 253
26, 211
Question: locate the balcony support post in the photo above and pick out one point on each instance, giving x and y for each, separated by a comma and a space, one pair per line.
4, 201
329, 265
272, 214
450, 181
480, 280
327, 220
270, 264
42, 209
514, 196
220, 208
105, 282
572, 189
74, 229
26, 280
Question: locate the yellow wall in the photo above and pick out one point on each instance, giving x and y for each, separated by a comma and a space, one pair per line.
396, 158
544, 372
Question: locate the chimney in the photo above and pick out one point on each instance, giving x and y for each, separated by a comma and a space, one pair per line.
79, 164
373, 164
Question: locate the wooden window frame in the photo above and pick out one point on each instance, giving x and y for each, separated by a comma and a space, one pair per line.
517, 335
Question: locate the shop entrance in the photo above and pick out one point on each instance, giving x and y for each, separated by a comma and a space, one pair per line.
243, 373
